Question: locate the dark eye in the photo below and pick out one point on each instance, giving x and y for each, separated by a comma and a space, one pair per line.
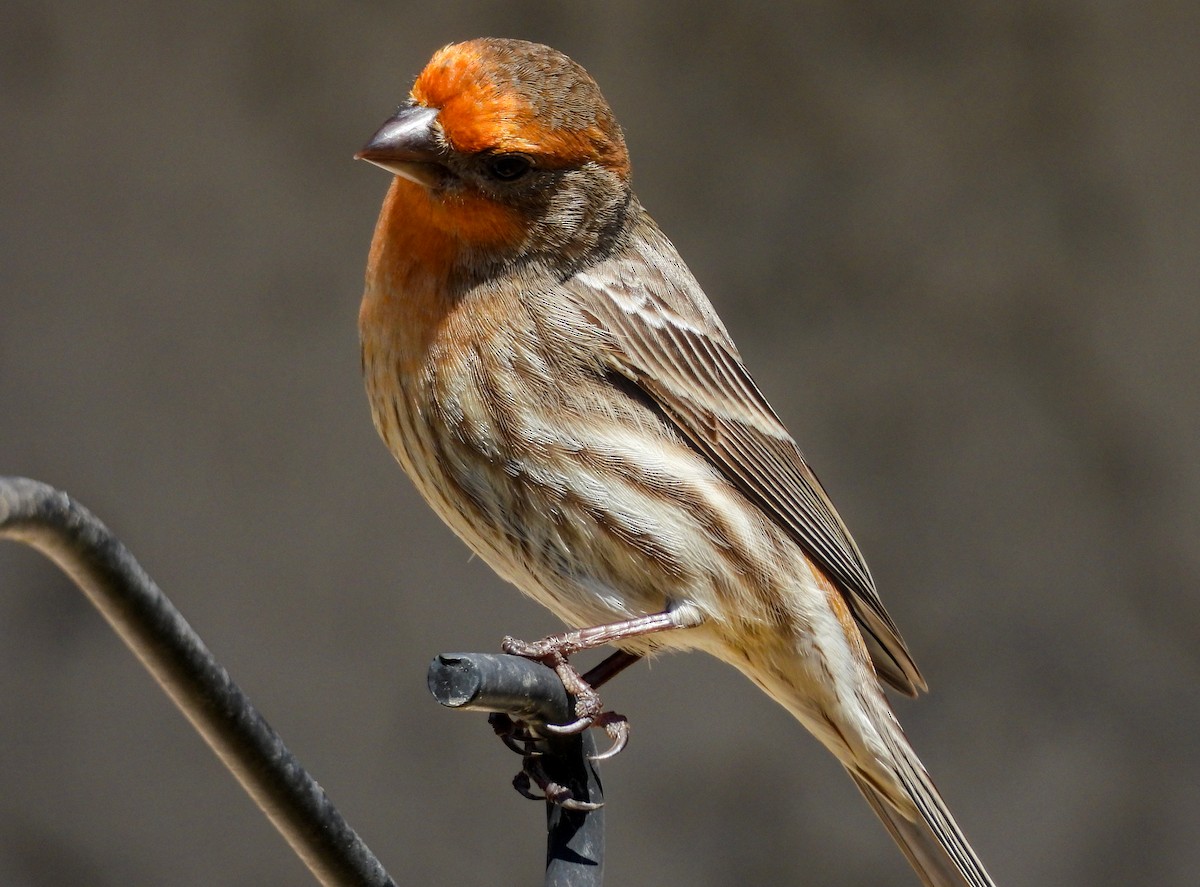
508, 167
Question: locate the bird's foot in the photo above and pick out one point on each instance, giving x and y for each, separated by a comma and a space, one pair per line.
589, 711
521, 738
532, 771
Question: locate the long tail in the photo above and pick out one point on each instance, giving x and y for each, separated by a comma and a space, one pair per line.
852, 718
933, 843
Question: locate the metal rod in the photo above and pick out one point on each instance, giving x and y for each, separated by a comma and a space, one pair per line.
154, 630
529, 691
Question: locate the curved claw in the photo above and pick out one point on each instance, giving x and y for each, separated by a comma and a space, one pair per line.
554, 792
568, 729
617, 728
573, 804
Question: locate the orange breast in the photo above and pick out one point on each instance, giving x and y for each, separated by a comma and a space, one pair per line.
424, 249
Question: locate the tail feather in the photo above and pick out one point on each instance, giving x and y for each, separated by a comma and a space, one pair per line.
933, 843
860, 728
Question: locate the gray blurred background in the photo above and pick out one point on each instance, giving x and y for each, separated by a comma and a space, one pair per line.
955, 242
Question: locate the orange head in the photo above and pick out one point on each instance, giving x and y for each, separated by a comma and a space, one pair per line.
507, 146
513, 97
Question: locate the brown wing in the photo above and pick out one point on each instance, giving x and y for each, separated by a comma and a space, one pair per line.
670, 342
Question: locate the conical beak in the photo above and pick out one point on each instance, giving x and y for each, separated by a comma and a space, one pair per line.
407, 145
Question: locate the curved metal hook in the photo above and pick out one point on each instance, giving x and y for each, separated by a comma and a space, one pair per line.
161, 638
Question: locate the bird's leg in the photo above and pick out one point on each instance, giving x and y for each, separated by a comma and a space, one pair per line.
555, 650
610, 668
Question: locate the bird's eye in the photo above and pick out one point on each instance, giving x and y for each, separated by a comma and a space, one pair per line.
508, 167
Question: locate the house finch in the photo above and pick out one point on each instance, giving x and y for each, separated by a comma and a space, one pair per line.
548, 372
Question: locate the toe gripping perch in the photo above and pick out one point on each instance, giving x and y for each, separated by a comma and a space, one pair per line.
531, 695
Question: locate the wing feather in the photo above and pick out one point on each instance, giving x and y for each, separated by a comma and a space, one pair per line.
670, 343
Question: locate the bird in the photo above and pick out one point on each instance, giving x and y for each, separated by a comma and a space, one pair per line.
542, 363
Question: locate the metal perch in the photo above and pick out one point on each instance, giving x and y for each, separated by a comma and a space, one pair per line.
530, 692
154, 630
